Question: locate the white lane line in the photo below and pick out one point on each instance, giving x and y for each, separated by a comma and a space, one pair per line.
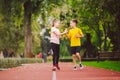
54, 75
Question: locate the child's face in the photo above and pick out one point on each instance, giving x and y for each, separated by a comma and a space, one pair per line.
72, 24
57, 23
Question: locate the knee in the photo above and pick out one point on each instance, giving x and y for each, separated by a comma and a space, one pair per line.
73, 55
77, 54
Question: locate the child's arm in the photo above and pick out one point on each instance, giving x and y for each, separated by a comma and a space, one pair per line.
79, 35
57, 34
65, 32
68, 35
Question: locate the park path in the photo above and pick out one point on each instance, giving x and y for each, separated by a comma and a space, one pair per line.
42, 71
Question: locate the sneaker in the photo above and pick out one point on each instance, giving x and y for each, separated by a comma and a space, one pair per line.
54, 68
81, 66
75, 68
57, 67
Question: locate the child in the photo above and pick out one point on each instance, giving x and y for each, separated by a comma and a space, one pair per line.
55, 42
75, 35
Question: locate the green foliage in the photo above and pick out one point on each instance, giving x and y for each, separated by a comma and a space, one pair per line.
111, 65
112, 7
11, 30
14, 62
64, 49
100, 18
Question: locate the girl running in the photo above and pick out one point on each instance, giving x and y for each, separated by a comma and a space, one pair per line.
55, 42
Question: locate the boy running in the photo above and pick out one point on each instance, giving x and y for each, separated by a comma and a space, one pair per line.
74, 36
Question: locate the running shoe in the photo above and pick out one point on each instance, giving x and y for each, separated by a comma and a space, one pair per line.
57, 67
81, 66
75, 68
54, 68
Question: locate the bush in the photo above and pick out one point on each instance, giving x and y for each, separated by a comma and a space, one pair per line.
14, 62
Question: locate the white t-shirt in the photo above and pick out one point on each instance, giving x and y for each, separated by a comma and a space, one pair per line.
55, 35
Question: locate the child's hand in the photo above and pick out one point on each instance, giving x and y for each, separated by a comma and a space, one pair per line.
65, 31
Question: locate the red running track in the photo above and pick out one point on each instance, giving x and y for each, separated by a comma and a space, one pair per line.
43, 72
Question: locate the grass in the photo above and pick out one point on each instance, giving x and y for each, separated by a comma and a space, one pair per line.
14, 62
111, 65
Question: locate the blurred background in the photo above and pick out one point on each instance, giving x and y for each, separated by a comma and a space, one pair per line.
25, 26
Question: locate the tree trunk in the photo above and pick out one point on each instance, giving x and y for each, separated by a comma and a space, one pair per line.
27, 24
99, 39
105, 36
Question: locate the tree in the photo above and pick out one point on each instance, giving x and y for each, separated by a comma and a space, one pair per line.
29, 8
25, 9
99, 18
113, 8
11, 30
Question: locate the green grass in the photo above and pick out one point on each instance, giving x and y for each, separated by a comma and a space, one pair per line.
111, 65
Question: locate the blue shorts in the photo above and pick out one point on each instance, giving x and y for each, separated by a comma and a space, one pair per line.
75, 49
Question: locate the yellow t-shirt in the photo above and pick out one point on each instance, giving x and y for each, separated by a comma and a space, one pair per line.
72, 36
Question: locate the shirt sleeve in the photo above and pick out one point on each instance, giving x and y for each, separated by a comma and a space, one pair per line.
80, 32
69, 35
55, 31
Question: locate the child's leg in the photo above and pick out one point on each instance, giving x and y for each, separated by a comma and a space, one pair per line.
54, 53
79, 57
57, 54
78, 54
74, 59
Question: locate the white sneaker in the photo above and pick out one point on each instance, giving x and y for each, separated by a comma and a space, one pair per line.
81, 66
75, 68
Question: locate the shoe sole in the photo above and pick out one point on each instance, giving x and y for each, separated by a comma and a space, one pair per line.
81, 67
53, 69
75, 69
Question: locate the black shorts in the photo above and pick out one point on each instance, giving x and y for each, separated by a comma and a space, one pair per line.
75, 49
